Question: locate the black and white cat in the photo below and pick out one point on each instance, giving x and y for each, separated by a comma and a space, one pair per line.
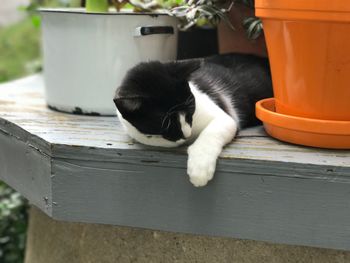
200, 101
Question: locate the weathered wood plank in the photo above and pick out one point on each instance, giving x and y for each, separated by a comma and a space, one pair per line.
86, 169
22, 102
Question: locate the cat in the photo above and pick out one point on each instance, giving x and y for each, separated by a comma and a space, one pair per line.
202, 102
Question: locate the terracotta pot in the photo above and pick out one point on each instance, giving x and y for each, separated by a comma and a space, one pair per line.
309, 50
236, 40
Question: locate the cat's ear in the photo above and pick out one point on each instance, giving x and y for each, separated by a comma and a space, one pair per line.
183, 69
127, 105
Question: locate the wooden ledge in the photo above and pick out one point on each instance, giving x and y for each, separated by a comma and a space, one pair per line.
85, 169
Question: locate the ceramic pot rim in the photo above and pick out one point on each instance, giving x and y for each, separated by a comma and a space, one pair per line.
321, 10
304, 5
73, 11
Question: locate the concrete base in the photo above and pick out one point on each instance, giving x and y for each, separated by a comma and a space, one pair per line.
51, 241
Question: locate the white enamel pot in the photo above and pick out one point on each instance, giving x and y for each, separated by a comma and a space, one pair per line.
86, 55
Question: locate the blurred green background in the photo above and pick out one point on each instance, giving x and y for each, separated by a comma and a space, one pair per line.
19, 56
19, 49
20, 37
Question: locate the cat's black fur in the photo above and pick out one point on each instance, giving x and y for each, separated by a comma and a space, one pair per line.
245, 79
153, 93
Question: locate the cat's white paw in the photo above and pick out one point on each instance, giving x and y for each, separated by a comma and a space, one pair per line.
201, 165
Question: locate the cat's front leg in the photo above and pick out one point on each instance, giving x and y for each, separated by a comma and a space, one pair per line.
204, 152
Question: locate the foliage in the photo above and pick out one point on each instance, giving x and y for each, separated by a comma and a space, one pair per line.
190, 12
198, 12
193, 12
13, 225
97, 5
253, 27
147, 5
20, 43
19, 50
214, 11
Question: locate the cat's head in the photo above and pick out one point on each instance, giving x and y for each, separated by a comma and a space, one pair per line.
155, 103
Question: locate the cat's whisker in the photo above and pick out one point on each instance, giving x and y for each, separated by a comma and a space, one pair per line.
186, 102
169, 123
164, 119
172, 109
189, 100
168, 120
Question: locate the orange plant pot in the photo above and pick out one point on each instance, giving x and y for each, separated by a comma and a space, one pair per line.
308, 44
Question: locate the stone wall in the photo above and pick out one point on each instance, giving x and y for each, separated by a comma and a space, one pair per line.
50, 241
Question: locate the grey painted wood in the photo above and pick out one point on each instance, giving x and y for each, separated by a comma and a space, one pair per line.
26, 168
237, 204
86, 169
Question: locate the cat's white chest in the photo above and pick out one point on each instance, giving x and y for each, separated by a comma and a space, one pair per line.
206, 111
212, 129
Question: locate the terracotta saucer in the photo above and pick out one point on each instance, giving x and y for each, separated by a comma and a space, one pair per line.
303, 131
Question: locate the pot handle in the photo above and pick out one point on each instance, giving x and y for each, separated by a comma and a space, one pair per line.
153, 30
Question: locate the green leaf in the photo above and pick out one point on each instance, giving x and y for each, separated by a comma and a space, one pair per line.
97, 6
13, 225
36, 21
253, 27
